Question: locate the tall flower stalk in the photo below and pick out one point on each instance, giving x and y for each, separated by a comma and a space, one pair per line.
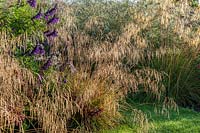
53, 20
51, 12
38, 15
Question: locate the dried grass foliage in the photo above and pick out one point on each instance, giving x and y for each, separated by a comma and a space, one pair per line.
15, 91
55, 105
172, 18
83, 100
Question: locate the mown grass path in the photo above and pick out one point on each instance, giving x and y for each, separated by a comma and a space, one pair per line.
184, 121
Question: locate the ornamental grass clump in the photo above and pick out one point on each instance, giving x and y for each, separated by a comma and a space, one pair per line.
82, 104
173, 48
78, 105
180, 77
16, 92
154, 27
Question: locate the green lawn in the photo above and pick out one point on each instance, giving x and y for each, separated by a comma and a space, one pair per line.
184, 121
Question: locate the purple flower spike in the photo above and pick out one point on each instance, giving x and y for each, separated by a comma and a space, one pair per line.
32, 3
51, 11
42, 52
47, 65
53, 20
38, 50
52, 34
47, 32
38, 15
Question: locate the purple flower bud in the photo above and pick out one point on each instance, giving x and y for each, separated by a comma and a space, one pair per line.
53, 20
47, 65
65, 80
32, 3
54, 33
51, 11
46, 18
38, 15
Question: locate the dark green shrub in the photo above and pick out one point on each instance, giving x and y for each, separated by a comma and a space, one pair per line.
16, 20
